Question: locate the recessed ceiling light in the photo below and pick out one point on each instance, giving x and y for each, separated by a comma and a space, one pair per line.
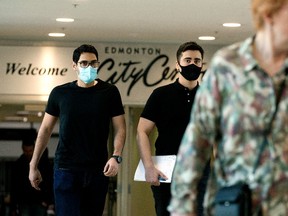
56, 34
206, 38
65, 20
231, 25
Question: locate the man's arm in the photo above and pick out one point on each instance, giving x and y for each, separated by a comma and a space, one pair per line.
119, 129
43, 137
144, 129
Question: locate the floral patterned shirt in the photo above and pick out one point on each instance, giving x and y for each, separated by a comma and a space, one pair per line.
233, 108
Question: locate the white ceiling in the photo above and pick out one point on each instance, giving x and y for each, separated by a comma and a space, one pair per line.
135, 21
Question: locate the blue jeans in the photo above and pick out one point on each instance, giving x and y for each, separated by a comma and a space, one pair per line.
79, 193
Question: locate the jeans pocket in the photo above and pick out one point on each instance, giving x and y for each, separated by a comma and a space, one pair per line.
64, 179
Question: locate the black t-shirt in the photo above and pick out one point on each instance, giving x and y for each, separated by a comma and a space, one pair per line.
169, 108
85, 115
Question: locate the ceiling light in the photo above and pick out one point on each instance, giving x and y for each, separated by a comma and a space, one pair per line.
56, 34
29, 113
231, 25
65, 20
34, 107
206, 38
15, 118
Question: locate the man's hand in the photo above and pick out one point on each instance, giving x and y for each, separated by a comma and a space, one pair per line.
35, 178
111, 168
153, 175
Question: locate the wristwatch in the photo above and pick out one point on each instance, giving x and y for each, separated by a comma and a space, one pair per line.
117, 158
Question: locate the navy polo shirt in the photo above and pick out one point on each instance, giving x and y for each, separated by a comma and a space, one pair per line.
169, 108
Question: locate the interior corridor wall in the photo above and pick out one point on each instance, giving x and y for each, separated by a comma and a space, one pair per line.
135, 74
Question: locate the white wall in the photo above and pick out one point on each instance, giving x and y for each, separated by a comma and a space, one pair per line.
11, 149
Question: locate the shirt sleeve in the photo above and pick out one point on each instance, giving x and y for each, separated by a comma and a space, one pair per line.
151, 108
52, 106
117, 105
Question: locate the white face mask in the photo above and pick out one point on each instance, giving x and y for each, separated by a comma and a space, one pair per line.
88, 75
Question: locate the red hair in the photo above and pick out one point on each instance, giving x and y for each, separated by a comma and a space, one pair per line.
265, 7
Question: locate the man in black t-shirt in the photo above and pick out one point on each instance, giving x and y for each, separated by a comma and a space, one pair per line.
82, 166
168, 109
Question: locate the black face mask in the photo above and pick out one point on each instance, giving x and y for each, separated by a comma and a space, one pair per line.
190, 72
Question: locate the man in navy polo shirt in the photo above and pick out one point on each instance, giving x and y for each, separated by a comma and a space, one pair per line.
168, 108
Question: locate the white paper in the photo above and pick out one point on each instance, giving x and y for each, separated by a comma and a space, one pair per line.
165, 163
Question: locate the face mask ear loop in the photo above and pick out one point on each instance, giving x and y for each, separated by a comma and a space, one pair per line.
75, 67
77, 73
179, 67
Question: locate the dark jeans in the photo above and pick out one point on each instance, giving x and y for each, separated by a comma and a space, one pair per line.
32, 210
162, 196
79, 193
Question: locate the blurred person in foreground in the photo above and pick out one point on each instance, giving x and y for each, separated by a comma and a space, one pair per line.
168, 109
85, 108
232, 110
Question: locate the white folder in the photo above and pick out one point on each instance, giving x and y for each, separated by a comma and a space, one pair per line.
165, 163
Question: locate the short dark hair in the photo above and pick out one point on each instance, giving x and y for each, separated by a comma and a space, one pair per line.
29, 138
189, 46
84, 48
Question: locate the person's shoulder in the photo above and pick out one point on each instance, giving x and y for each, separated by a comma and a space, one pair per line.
159, 93
164, 88
233, 50
228, 50
105, 85
65, 85
20, 160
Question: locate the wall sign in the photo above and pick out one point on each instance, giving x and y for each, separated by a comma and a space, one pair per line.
30, 73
